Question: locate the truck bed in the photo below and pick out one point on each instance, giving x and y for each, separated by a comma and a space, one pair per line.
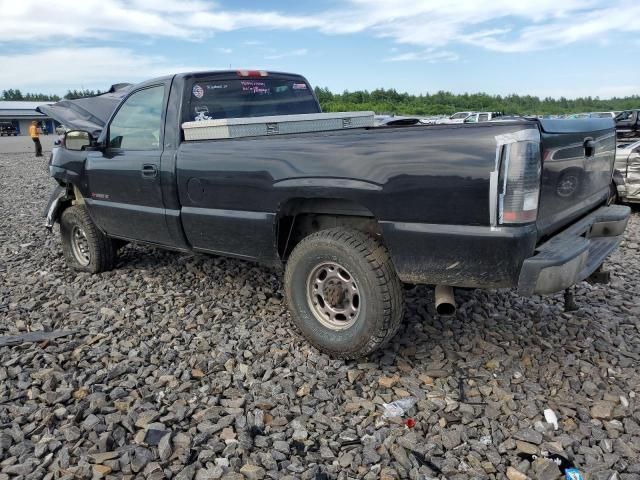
421, 183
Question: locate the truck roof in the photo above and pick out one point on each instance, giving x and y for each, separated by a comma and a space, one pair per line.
207, 73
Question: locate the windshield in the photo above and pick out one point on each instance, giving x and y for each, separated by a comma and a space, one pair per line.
459, 115
250, 97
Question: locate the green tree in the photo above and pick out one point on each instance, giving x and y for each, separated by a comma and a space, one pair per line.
391, 101
73, 94
17, 95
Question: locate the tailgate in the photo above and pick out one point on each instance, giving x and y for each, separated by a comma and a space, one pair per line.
577, 165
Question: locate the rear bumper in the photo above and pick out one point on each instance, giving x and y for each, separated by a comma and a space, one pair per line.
575, 253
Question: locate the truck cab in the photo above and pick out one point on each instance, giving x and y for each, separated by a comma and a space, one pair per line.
628, 123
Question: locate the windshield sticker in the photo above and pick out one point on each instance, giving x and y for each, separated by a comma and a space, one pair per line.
197, 91
216, 86
299, 86
254, 86
201, 117
201, 113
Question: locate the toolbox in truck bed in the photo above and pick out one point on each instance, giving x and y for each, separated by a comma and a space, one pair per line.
274, 125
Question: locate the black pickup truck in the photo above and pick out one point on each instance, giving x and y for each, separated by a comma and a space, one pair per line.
349, 214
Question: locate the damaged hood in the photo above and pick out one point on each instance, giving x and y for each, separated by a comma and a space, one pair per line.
88, 113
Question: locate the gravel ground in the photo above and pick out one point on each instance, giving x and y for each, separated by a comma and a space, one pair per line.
186, 366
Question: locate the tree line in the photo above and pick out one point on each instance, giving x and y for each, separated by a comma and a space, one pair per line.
17, 95
391, 101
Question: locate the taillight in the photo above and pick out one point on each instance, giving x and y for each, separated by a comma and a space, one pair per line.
519, 182
252, 73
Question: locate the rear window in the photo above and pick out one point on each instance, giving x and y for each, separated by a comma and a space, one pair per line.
250, 97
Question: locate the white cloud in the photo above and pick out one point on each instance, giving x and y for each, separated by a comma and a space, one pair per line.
429, 55
93, 68
499, 25
224, 50
292, 53
592, 25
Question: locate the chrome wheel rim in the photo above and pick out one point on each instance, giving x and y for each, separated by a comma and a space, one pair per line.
333, 296
80, 246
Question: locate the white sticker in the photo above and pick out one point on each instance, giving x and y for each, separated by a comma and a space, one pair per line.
198, 91
299, 86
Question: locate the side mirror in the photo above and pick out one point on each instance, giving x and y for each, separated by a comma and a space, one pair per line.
77, 140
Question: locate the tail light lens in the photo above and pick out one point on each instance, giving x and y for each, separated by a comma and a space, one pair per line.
519, 182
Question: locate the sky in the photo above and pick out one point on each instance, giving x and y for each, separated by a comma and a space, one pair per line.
551, 48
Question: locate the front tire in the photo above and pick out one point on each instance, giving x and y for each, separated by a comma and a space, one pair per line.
343, 292
85, 247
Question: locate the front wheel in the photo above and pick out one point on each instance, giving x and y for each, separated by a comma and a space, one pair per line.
85, 247
343, 292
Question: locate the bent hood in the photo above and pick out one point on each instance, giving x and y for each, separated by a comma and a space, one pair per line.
87, 113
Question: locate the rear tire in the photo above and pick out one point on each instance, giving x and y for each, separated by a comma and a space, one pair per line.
85, 247
343, 292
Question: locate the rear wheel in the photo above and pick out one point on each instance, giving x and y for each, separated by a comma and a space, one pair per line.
343, 292
85, 248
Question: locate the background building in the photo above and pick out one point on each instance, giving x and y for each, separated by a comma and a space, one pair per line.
21, 114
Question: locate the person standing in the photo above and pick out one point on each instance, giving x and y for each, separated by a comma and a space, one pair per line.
33, 131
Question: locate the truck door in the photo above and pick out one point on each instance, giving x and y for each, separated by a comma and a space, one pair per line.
124, 178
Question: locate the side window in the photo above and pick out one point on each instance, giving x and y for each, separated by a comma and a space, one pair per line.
484, 117
624, 116
137, 125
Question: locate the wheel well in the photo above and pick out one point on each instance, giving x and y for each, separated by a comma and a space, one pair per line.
300, 217
72, 197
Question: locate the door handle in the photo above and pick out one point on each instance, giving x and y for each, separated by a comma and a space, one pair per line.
149, 170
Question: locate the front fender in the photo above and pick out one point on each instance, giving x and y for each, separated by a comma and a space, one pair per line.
59, 197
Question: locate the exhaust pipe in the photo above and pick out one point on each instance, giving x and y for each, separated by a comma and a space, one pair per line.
445, 301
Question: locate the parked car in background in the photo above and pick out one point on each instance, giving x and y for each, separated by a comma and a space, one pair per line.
626, 175
431, 120
482, 117
458, 117
628, 123
8, 129
602, 115
578, 115
395, 120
